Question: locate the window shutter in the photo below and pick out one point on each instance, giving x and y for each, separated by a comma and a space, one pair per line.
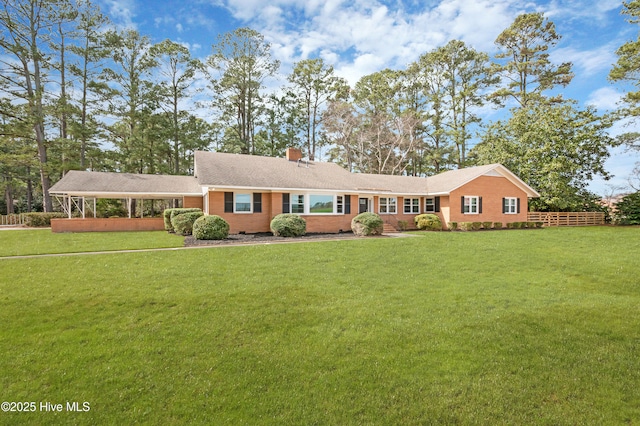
228, 202
436, 203
504, 205
347, 204
257, 202
462, 204
518, 205
479, 204
285, 203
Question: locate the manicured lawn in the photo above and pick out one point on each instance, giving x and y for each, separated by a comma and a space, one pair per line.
510, 327
42, 241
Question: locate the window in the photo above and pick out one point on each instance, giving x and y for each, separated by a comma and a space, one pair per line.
297, 203
432, 205
471, 205
510, 205
339, 204
320, 203
388, 205
412, 205
242, 203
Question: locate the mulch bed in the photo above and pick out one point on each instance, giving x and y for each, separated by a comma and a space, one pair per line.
265, 238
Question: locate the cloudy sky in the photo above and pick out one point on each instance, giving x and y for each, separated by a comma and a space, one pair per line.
364, 36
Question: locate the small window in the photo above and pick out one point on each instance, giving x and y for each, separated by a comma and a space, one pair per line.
339, 204
297, 203
510, 205
320, 204
242, 203
388, 205
412, 205
471, 205
429, 205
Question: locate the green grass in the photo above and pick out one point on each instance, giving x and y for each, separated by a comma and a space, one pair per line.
513, 327
43, 241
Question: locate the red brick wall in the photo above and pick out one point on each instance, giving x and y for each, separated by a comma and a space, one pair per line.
192, 202
107, 224
492, 190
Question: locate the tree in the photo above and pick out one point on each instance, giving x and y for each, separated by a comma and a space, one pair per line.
627, 68
242, 61
90, 52
26, 28
555, 148
178, 71
526, 69
131, 98
313, 86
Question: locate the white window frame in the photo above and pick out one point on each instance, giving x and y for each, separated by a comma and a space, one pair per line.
413, 206
390, 205
294, 200
469, 206
511, 204
339, 204
235, 202
429, 208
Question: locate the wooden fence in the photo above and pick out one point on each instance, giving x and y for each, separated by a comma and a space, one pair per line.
567, 218
12, 219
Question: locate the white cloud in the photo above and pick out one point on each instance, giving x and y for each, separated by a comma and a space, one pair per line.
121, 11
590, 62
604, 99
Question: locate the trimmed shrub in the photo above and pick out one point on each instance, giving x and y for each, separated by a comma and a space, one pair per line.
465, 226
539, 224
510, 225
183, 223
486, 225
497, 225
41, 220
428, 222
453, 226
531, 225
367, 224
288, 225
211, 227
403, 225
169, 214
475, 226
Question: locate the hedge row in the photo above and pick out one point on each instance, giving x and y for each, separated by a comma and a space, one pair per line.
476, 226
38, 219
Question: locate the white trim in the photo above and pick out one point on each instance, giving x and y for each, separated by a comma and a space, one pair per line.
513, 207
235, 202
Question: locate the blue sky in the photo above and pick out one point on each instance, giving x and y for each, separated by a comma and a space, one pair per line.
364, 36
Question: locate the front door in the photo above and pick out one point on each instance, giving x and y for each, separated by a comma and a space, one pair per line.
364, 205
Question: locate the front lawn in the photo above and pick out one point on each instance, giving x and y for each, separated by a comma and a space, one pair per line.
43, 241
499, 327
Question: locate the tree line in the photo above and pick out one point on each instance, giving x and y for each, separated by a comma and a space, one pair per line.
76, 93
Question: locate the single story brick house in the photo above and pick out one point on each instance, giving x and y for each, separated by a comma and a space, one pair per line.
248, 191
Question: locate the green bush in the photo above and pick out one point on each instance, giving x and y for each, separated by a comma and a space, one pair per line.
367, 224
465, 226
428, 222
183, 223
628, 210
475, 226
497, 225
486, 225
539, 224
211, 227
453, 226
403, 225
37, 219
169, 214
288, 225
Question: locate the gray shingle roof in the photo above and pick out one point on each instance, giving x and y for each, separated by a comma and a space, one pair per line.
220, 170
82, 183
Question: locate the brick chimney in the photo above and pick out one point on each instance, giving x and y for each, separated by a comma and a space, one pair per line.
294, 154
